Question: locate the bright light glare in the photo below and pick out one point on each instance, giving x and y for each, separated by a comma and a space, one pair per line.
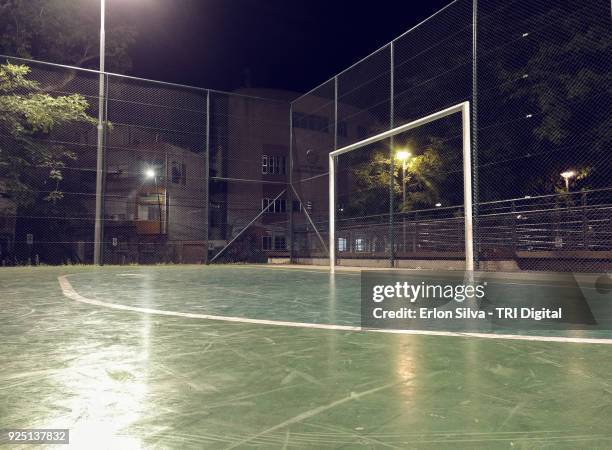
150, 173
438, 204
568, 174
402, 155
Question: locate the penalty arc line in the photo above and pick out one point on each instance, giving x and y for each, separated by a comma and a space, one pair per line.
69, 292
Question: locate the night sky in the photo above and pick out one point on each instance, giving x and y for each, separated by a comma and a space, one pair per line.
283, 44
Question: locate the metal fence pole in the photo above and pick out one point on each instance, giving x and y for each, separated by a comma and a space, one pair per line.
391, 158
474, 134
206, 179
332, 182
100, 148
332, 214
290, 209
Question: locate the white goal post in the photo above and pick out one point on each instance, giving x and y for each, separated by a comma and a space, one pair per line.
464, 110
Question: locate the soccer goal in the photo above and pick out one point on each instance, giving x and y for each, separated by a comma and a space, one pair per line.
386, 139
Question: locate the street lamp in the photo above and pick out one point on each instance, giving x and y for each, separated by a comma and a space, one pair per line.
567, 176
100, 150
151, 174
403, 156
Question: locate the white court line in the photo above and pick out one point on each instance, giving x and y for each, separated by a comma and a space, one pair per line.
72, 294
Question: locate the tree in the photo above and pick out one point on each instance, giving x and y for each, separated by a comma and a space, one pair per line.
433, 175
552, 92
26, 115
63, 31
31, 164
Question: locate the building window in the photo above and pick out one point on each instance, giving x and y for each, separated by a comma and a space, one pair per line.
341, 244
299, 207
178, 173
266, 242
360, 245
148, 212
279, 242
277, 206
265, 164
150, 207
273, 165
274, 242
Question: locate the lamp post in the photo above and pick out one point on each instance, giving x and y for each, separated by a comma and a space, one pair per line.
100, 150
403, 156
567, 176
151, 174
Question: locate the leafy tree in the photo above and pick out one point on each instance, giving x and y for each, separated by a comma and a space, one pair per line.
27, 115
557, 79
432, 176
32, 165
63, 31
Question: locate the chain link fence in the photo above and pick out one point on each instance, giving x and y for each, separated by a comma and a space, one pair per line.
186, 171
200, 176
536, 75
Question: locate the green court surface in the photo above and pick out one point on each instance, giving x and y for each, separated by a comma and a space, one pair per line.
258, 357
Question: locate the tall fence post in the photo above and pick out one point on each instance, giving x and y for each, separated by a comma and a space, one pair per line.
206, 179
332, 174
391, 158
474, 135
332, 214
100, 173
100, 148
290, 191
585, 222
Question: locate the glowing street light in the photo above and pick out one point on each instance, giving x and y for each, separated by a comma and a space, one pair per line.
149, 174
567, 176
403, 156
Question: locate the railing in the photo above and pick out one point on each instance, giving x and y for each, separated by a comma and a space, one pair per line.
578, 224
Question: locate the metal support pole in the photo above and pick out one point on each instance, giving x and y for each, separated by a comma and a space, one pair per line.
332, 214
332, 184
474, 134
391, 154
159, 208
585, 222
291, 258
206, 179
100, 149
403, 205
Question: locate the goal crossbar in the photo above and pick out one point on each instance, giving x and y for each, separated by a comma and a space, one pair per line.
462, 108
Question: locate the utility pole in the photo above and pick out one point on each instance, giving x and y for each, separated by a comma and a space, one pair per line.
100, 152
